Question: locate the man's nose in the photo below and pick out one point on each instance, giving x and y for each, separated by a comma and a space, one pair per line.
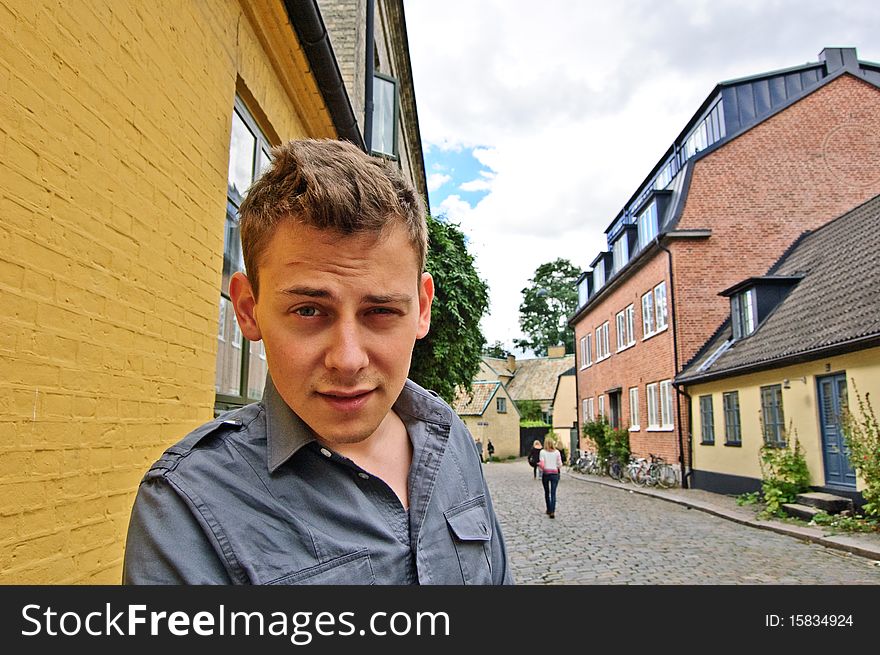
347, 352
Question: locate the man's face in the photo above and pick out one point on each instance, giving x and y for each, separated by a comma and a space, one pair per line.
338, 316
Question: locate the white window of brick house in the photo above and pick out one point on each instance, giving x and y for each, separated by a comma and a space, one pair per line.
602, 405
620, 253
666, 418
648, 315
647, 221
584, 414
653, 406
591, 409
634, 408
660, 306
630, 325
603, 349
586, 350
621, 330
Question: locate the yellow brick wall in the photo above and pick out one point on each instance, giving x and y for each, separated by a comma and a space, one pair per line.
114, 142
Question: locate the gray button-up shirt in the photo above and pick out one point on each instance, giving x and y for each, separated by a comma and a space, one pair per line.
253, 498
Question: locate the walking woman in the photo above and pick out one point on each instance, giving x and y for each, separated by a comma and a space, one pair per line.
550, 463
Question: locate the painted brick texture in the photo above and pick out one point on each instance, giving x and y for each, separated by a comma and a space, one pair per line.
114, 145
796, 171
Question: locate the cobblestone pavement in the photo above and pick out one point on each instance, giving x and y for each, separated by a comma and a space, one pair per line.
604, 535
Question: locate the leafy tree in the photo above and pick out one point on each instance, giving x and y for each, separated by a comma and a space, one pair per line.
529, 410
548, 301
497, 349
449, 356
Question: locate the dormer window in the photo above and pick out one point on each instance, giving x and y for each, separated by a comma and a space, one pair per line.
621, 252
743, 313
647, 221
583, 288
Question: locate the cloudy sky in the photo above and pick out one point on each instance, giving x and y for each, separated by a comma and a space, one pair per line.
540, 119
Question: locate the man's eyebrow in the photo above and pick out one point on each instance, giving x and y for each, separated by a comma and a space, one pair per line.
311, 292
376, 299
388, 298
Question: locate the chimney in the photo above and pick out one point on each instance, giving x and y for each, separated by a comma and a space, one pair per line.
837, 58
511, 364
556, 351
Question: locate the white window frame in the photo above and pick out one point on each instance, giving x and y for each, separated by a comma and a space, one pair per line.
620, 252
599, 275
584, 407
602, 405
634, 409
660, 308
648, 315
586, 351
743, 314
620, 321
648, 223
591, 409
603, 348
630, 325
667, 420
652, 395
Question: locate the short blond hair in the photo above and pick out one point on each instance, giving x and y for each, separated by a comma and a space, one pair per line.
329, 185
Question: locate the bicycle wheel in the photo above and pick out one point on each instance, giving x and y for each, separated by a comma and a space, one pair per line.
667, 476
615, 470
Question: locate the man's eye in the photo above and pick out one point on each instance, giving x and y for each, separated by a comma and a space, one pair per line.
306, 311
382, 310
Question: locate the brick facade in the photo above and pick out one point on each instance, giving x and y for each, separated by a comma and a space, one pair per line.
757, 193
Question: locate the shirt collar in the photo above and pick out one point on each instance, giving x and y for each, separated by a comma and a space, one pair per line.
287, 433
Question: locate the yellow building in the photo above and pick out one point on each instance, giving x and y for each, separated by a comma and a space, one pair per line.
799, 343
490, 415
128, 132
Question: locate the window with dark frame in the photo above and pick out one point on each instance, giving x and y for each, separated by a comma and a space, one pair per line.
241, 365
772, 415
385, 103
707, 420
732, 434
501, 405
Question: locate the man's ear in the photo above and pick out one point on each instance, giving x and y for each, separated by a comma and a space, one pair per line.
426, 297
245, 303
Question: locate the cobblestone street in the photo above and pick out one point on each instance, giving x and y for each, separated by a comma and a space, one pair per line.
605, 535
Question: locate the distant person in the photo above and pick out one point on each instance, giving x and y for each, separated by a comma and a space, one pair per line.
550, 463
480, 449
533, 457
490, 449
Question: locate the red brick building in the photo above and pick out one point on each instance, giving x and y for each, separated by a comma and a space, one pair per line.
763, 160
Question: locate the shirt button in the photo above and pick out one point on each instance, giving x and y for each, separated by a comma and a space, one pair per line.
325, 452
363, 476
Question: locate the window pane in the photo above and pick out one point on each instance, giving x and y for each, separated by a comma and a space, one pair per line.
647, 314
383, 116
228, 352
242, 147
633, 407
263, 161
256, 370
660, 304
233, 258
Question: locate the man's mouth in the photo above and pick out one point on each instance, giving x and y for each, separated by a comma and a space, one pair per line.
346, 400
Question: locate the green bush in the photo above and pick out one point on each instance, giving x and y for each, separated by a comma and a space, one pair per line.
784, 473
596, 432
618, 444
534, 424
862, 435
529, 410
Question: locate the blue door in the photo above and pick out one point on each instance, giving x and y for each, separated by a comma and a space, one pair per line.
832, 399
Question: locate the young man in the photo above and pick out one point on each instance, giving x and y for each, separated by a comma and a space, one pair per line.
346, 472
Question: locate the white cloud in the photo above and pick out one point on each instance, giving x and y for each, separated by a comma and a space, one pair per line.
437, 180
569, 104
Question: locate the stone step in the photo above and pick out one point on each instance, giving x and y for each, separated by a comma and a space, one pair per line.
805, 512
828, 503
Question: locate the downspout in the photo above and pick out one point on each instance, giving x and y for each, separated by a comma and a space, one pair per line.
678, 392
307, 23
368, 82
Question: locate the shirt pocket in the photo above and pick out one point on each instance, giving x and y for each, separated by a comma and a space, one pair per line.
471, 534
352, 569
